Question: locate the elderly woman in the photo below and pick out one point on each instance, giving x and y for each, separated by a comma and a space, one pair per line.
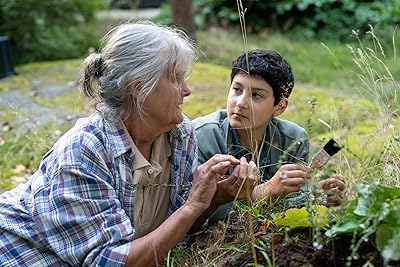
121, 187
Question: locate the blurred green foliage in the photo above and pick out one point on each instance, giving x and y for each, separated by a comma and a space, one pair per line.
52, 29
303, 18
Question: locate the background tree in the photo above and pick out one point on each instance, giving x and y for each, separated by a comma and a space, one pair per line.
47, 30
182, 16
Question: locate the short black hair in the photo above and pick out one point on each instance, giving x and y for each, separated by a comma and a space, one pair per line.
268, 65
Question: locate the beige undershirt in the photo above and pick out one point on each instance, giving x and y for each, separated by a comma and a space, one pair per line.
151, 193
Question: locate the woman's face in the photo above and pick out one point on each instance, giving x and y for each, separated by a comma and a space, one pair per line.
164, 104
250, 103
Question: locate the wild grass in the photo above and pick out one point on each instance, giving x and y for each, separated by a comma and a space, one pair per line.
364, 118
348, 94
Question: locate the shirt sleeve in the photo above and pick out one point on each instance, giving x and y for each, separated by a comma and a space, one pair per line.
76, 207
82, 220
191, 161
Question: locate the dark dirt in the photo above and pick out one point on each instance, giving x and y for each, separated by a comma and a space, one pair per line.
296, 249
299, 251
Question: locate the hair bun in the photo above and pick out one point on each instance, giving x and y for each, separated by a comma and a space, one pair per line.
98, 65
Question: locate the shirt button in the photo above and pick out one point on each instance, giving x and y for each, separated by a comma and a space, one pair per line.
150, 171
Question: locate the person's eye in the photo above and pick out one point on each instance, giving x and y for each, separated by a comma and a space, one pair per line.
180, 77
257, 96
236, 89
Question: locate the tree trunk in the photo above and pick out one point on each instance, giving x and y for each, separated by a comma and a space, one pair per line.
182, 16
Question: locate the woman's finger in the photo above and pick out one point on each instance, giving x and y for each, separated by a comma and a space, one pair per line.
217, 158
220, 168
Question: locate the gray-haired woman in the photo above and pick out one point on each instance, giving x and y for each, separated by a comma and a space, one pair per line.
114, 190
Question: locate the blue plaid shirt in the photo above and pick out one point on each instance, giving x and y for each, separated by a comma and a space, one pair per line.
77, 209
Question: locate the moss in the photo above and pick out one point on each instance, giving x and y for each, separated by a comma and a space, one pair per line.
319, 111
32, 76
71, 101
21, 151
209, 84
368, 150
15, 82
7, 114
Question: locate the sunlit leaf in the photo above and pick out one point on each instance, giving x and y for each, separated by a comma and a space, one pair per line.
300, 217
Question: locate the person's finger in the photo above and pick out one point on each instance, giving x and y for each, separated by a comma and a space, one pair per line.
244, 166
291, 188
333, 192
293, 182
233, 176
340, 185
254, 174
293, 174
217, 158
292, 167
334, 200
332, 182
220, 168
338, 177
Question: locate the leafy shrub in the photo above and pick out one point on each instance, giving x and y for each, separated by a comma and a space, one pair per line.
375, 211
47, 29
304, 18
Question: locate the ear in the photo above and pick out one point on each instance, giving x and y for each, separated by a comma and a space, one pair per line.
280, 107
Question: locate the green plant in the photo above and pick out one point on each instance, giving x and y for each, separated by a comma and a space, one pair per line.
299, 217
375, 211
305, 19
25, 158
47, 27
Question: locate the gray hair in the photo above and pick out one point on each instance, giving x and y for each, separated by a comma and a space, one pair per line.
134, 54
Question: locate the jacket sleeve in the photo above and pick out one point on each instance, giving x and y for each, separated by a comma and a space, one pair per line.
211, 141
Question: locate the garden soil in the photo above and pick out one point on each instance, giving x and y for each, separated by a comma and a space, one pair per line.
296, 248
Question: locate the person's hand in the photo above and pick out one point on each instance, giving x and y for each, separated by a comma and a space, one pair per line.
334, 188
239, 184
205, 180
289, 178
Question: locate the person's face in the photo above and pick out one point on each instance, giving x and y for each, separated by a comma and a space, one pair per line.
164, 104
250, 103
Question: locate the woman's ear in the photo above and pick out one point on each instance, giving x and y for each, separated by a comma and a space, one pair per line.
281, 107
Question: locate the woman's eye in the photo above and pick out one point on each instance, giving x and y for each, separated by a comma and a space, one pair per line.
180, 77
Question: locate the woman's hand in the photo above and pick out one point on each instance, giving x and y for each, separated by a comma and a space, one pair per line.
289, 178
334, 188
205, 180
239, 184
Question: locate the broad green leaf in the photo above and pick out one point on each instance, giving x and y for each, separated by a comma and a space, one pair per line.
366, 198
300, 217
393, 218
347, 227
387, 241
392, 192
